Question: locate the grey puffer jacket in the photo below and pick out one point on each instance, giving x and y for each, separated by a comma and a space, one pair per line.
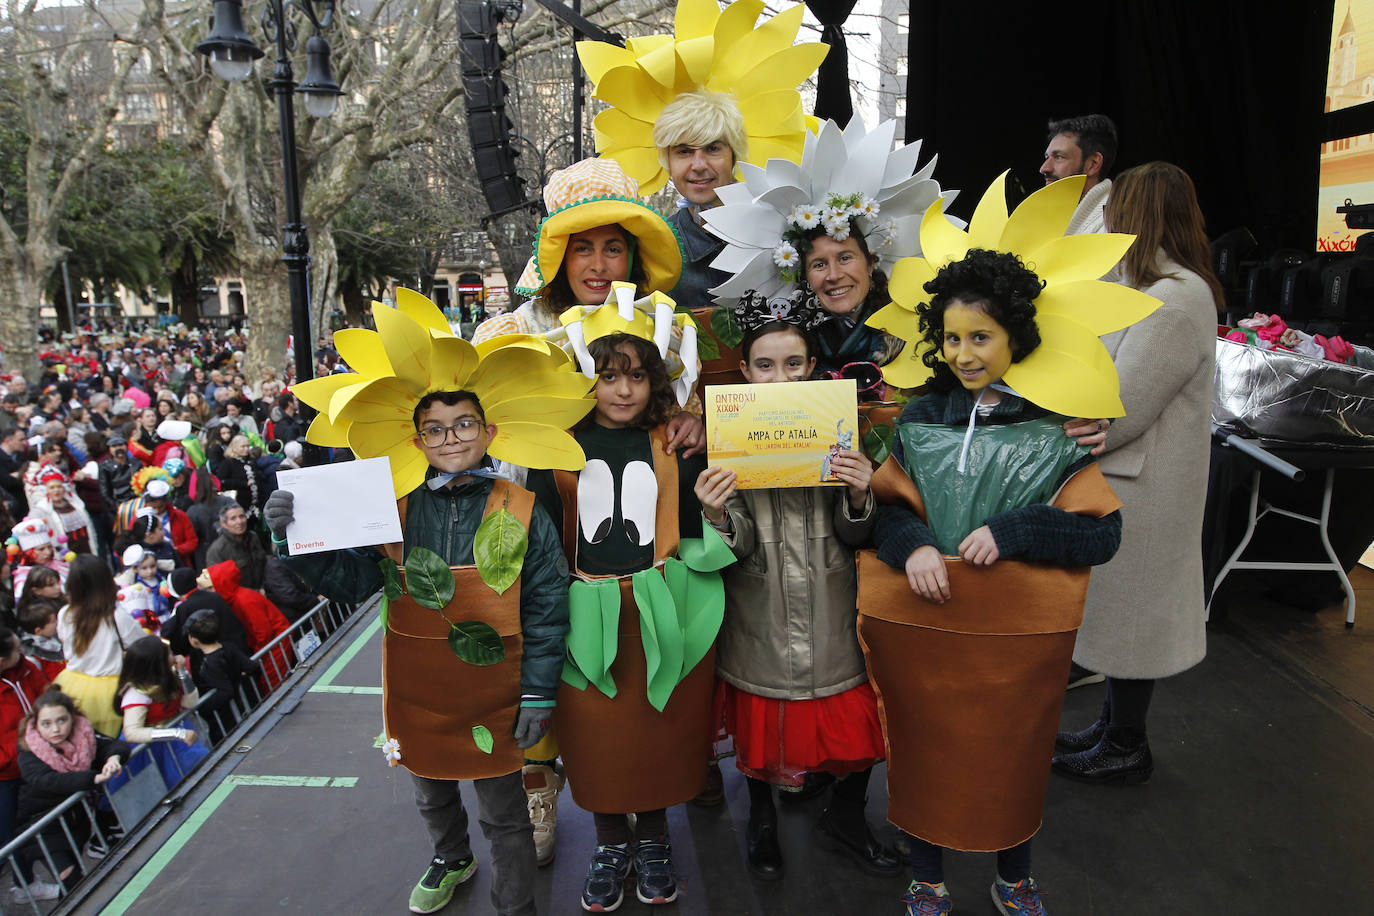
790, 600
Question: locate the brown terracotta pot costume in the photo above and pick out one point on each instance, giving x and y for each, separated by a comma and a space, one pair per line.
969, 692
621, 754
432, 699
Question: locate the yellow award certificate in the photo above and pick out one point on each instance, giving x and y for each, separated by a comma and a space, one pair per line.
781, 434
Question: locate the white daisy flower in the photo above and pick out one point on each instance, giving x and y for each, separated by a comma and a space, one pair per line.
868, 207
391, 750
805, 216
785, 255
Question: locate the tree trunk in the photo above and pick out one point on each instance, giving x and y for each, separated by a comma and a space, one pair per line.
354, 304
21, 285
324, 279
268, 310
186, 289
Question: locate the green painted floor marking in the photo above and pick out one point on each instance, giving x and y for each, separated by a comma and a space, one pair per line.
340, 688
163, 857
342, 661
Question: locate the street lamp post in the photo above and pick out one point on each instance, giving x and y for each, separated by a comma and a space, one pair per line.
232, 53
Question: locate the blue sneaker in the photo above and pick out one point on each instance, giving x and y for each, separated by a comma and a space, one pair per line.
604, 888
1019, 899
924, 899
654, 880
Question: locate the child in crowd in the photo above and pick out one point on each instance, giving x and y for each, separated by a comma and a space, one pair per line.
990, 468
38, 634
147, 534
154, 688
37, 546
793, 690
60, 753
143, 567
622, 517
94, 633
447, 719
224, 668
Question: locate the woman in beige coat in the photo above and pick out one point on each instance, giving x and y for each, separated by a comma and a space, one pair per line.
1144, 617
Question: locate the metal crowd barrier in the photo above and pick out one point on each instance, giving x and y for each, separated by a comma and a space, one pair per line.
146, 789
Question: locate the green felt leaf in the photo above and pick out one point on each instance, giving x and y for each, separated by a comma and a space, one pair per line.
498, 549
703, 598
724, 326
593, 618
573, 677
661, 635
482, 738
878, 442
428, 578
708, 553
391, 579
476, 643
385, 612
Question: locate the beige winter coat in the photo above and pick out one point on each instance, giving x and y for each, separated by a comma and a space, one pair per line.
1144, 614
790, 607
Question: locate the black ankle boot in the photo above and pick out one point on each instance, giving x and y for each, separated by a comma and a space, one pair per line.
765, 855
844, 828
1073, 742
1122, 756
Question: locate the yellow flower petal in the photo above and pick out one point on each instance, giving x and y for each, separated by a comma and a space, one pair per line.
909, 278
990, 217
362, 350
1070, 373
895, 319
407, 347
906, 370
1042, 217
1072, 258
322, 432
941, 240
696, 18
317, 392
537, 445
383, 399
1100, 306
555, 412
425, 312
454, 362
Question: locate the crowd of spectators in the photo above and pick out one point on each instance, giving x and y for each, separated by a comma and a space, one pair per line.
133, 471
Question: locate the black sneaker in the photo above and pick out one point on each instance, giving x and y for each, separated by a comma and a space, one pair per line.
654, 879
604, 888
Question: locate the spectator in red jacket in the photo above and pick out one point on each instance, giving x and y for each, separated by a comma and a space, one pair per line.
259, 616
21, 682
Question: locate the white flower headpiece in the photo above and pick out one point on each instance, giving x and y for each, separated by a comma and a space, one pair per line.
848, 179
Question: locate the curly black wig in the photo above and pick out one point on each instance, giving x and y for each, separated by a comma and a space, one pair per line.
1000, 282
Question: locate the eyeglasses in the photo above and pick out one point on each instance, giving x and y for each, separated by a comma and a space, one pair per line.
463, 431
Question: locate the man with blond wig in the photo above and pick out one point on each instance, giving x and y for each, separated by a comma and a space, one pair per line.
699, 136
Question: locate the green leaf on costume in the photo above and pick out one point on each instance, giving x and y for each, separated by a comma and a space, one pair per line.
724, 326
709, 553
661, 633
593, 622
878, 442
572, 676
707, 347
391, 579
498, 549
385, 616
428, 578
476, 643
482, 738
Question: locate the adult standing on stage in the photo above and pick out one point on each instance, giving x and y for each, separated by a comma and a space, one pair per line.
1144, 617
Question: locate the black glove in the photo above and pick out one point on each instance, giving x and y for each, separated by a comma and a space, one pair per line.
532, 724
278, 512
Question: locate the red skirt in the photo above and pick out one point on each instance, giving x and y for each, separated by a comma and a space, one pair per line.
780, 741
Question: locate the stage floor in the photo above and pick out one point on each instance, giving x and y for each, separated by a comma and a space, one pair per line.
1263, 795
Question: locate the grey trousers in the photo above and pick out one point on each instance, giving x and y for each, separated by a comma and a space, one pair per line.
503, 813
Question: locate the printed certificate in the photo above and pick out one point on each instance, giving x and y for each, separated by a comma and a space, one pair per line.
781, 434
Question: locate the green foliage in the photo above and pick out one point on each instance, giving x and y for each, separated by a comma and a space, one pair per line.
391, 579
428, 578
498, 549
877, 442
725, 327
476, 643
385, 614
481, 736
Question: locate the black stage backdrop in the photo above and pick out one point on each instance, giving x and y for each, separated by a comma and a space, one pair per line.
1230, 90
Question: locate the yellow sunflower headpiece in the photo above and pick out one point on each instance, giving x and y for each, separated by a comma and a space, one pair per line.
715, 50
1070, 372
652, 318
527, 387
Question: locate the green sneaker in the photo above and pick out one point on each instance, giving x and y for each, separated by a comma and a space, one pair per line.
436, 888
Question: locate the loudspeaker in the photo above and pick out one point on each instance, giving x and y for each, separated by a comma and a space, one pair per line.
484, 98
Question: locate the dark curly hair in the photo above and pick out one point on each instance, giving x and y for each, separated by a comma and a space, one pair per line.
606, 353
998, 281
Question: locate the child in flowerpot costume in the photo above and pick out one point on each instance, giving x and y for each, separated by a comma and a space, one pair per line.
646, 602
990, 520
475, 607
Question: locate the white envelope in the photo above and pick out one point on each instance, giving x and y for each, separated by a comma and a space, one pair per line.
336, 506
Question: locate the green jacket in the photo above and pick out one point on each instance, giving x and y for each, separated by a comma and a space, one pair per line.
445, 521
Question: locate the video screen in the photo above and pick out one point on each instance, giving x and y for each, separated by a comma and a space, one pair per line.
1350, 68
1347, 173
